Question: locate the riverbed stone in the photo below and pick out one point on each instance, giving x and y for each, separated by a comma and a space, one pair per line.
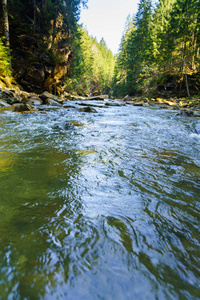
4, 104
52, 102
46, 95
140, 103
114, 103
10, 96
35, 100
88, 109
68, 126
21, 107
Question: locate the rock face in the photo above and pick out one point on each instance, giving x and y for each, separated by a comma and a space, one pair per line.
35, 67
24, 101
10, 96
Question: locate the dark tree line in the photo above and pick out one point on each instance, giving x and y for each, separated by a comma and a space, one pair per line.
43, 40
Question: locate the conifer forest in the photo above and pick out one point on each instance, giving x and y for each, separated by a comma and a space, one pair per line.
49, 50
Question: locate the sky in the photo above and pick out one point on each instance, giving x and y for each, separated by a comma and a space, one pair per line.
106, 18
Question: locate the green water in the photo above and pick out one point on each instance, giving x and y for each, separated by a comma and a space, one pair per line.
99, 206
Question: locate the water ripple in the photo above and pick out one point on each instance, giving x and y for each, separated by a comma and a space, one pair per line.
99, 206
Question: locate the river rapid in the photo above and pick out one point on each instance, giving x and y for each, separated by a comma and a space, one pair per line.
99, 205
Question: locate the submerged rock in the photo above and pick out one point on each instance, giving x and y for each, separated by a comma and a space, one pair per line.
56, 127
68, 126
88, 109
197, 129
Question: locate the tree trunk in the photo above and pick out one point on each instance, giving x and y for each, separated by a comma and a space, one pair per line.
34, 17
6, 26
184, 65
54, 32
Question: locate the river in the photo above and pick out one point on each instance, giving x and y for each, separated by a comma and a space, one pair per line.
99, 205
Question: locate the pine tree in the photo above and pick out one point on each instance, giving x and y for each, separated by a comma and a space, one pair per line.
183, 39
94, 69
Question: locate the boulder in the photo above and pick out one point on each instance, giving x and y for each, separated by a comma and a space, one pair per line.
141, 103
81, 98
114, 103
21, 107
10, 96
99, 97
46, 95
88, 109
52, 102
34, 100
91, 103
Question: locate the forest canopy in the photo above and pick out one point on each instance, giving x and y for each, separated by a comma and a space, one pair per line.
159, 50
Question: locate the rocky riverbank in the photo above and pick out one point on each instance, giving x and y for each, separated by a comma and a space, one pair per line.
190, 107
24, 102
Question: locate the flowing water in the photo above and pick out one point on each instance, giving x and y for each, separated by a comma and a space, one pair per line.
99, 205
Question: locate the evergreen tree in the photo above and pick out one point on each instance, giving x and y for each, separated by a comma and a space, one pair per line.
95, 67
182, 53
136, 51
123, 77
160, 45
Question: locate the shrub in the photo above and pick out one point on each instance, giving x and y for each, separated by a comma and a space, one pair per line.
4, 60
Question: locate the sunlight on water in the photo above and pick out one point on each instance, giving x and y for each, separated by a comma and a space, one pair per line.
99, 206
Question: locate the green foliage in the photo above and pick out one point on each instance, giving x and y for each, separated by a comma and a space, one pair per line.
4, 60
44, 32
136, 52
159, 42
94, 66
